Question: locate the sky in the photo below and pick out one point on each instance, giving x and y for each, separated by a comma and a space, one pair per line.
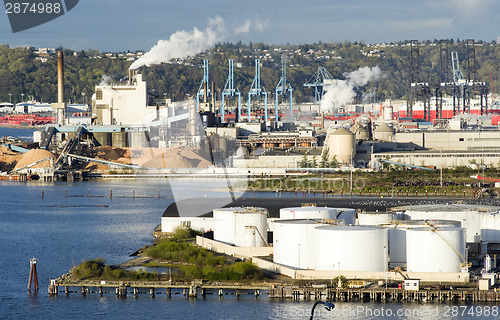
121, 25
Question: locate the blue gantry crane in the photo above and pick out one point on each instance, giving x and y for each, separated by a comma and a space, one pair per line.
230, 90
319, 80
257, 89
204, 90
282, 88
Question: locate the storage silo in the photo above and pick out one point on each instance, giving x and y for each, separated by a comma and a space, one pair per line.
388, 113
294, 243
241, 226
468, 215
431, 249
397, 236
341, 145
383, 132
351, 248
375, 218
308, 213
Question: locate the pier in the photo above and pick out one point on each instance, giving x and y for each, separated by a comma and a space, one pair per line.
135, 288
384, 295
193, 290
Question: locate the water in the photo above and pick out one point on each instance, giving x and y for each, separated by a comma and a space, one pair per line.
62, 231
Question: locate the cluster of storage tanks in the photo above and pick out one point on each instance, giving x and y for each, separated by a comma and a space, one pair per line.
323, 238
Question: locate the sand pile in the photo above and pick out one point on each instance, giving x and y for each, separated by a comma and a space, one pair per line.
9, 156
176, 157
33, 156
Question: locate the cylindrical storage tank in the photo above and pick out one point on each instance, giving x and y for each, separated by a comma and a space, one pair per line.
388, 113
490, 227
308, 213
362, 134
468, 215
294, 244
341, 145
435, 249
375, 218
242, 226
383, 132
351, 248
397, 236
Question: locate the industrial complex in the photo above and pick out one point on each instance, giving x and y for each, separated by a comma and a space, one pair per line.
265, 133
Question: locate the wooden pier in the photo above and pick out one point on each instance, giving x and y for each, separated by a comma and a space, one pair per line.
194, 290
384, 295
135, 288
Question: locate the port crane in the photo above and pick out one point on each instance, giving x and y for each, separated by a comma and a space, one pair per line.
319, 80
204, 90
282, 88
257, 89
230, 91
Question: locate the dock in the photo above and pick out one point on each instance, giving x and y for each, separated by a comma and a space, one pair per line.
384, 295
135, 288
194, 290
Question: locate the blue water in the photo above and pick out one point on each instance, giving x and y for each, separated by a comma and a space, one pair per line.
61, 231
25, 134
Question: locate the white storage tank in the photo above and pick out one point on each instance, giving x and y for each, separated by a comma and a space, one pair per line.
308, 213
468, 215
397, 236
347, 215
241, 226
294, 243
375, 218
435, 249
388, 113
490, 227
341, 145
351, 248
383, 132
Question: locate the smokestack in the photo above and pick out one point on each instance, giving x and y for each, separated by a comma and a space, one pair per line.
60, 77
322, 120
205, 88
60, 107
129, 77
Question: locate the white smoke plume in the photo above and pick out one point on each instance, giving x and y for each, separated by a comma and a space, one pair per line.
183, 44
342, 92
256, 24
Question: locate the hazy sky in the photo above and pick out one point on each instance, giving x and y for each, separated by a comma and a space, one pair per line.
115, 25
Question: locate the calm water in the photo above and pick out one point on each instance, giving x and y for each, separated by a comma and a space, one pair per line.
62, 231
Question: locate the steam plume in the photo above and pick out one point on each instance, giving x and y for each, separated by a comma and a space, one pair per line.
342, 92
183, 44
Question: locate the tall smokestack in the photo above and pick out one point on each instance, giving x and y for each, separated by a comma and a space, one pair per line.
60, 107
205, 88
129, 77
60, 77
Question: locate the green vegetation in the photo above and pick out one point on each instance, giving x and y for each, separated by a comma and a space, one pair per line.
396, 181
22, 73
196, 262
187, 262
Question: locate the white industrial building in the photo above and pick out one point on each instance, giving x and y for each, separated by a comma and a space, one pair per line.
124, 104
